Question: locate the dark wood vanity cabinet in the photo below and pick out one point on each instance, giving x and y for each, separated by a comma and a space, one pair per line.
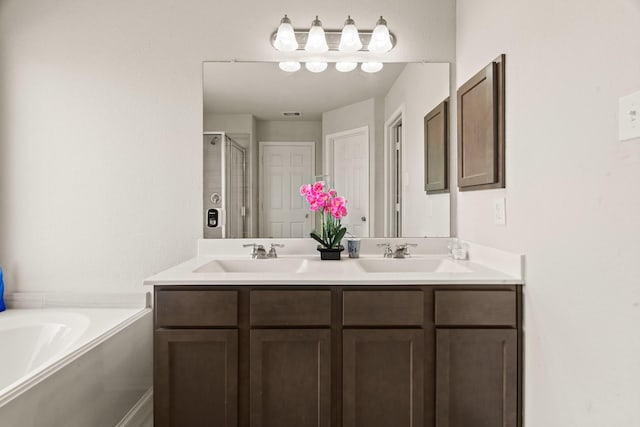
382, 358
196, 375
196, 358
443, 356
290, 377
290, 367
477, 365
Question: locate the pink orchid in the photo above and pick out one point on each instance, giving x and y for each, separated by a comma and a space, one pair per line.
318, 187
305, 189
331, 208
338, 212
323, 198
338, 201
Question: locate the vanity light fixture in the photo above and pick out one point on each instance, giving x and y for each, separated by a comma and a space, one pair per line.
345, 67
289, 66
350, 39
371, 67
347, 40
316, 66
316, 41
380, 38
285, 40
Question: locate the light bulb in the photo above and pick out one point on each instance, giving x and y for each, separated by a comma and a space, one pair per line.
350, 39
345, 67
316, 41
289, 66
371, 67
285, 38
315, 66
380, 39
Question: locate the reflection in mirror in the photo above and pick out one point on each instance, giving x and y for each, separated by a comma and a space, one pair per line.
267, 132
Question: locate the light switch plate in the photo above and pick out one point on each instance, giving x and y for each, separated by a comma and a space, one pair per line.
629, 116
499, 212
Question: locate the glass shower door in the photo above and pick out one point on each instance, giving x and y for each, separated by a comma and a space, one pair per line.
235, 189
225, 187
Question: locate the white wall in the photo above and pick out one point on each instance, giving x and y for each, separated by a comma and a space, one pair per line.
572, 198
292, 131
418, 89
101, 123
230, 123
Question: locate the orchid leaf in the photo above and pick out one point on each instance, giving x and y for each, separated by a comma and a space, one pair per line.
338, 237
317, 238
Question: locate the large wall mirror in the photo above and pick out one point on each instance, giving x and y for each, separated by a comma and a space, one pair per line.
267, 132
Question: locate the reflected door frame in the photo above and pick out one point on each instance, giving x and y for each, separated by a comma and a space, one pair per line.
389, 208
261, 178
328, 168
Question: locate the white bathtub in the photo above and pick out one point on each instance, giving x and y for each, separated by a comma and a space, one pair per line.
73, 367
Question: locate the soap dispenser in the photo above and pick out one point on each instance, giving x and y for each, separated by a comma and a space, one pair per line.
457, 250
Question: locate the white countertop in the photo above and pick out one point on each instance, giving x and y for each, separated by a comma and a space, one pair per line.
485, 266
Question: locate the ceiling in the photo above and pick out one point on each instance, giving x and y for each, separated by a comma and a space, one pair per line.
262, 89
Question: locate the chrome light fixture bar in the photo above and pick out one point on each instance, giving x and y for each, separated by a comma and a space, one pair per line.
372, 40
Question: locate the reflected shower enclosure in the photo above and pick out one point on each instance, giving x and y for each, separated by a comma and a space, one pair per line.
225, 185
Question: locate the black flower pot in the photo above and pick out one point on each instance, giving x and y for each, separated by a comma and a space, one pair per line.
330, 253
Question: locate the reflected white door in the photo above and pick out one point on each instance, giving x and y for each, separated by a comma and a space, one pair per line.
284, 167
348, 160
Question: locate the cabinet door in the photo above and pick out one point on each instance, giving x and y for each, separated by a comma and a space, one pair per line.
481, 129
196, 375
290, 378
476, 378
436, 149
383, 384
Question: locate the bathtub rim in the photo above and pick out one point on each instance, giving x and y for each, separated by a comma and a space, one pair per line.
41, 374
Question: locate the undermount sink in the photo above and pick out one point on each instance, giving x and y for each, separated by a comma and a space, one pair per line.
252, 266
411, 265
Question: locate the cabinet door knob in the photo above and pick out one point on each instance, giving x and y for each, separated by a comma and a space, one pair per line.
364, 219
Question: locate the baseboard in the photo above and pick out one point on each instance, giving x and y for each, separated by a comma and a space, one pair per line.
141, 415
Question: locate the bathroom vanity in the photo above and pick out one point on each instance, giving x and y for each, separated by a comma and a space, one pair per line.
337, 343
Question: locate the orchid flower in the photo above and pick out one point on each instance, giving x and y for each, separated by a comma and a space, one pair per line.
331, 207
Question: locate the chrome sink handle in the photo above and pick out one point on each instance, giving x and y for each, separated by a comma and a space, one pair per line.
402, 250
258, 252
272, 252
388, 253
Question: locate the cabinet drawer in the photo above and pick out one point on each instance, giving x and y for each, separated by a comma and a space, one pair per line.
290, 308
196, 308
379, 308
470, 308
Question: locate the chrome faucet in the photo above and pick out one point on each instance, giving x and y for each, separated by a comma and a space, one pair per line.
388, 253
402, 250
258, 252
272, 252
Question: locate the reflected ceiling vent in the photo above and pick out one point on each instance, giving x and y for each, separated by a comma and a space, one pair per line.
292, 114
